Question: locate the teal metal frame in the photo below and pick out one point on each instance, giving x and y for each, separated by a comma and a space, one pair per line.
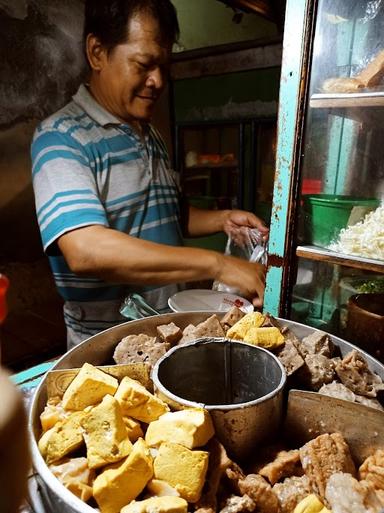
292, 94
30, 378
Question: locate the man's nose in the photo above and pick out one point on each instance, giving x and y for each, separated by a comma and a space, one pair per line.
156, 78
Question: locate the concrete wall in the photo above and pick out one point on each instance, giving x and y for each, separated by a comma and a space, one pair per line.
209, 22
41, 65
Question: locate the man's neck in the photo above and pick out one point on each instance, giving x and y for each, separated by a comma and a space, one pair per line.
139, 127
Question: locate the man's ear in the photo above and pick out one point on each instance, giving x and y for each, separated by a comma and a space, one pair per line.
96, 53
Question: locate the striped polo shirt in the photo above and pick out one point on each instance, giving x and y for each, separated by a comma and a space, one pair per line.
89, 168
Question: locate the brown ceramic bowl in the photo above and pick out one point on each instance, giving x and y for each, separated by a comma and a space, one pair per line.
365, 323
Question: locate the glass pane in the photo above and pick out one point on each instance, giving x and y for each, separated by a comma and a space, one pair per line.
325, 296
341, 217
342, 184
348, 47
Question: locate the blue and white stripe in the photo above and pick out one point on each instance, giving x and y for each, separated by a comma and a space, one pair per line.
88, 168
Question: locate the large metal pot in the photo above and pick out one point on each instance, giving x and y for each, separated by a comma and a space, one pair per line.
50, 496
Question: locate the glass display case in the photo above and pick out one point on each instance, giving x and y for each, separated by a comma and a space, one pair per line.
331, 158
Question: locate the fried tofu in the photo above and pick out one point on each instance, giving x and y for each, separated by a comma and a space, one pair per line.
134, 428
88, 388
66, 437
105, 434
121, 483
157, 505
240, 329
191, 427
136, 402
182, 468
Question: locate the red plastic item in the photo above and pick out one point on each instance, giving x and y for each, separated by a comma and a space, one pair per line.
4, 284
311, 186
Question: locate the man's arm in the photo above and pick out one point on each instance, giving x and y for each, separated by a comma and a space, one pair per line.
120, 258
205, 222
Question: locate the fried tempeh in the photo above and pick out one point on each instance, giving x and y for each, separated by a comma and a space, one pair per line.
324, 456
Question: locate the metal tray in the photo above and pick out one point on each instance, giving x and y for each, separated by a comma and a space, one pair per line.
98, 350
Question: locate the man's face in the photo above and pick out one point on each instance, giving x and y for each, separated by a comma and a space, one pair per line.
132, 76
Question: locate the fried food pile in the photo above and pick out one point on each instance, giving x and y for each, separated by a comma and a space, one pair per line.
312, 363
112, 443
119, 447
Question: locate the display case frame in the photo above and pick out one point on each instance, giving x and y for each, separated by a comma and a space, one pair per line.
299, 20
286, 248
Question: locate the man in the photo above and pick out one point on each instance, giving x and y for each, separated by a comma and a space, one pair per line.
107, 202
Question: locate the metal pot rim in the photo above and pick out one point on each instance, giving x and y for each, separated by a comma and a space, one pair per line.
225, 407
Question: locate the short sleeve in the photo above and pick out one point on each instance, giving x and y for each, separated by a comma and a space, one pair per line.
66, 193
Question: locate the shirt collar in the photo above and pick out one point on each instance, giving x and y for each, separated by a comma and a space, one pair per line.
87, 102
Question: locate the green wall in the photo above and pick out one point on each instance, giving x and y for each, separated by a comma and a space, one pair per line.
190, 95
209, 22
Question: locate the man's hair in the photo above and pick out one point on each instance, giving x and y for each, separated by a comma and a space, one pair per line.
108, 19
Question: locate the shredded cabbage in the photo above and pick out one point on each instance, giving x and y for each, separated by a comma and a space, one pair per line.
364, 239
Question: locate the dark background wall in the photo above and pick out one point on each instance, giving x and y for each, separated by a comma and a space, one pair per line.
41, 65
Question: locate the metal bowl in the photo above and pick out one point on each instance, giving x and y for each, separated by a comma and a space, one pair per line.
48, 494
239, 384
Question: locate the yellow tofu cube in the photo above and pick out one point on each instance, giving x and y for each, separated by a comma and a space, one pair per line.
105, 434
66, 437
88, 388
157, 505
264, 337
183, 469
134, 429
137, 402
191, 427
43, 442
159, 488
122, 482
311, 504
240, 329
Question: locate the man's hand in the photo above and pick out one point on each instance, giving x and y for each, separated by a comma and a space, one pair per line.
247, 277
234, 220
205, 222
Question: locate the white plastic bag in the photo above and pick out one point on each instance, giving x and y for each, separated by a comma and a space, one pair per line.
245, 243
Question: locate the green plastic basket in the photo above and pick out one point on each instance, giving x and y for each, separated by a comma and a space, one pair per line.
326, 214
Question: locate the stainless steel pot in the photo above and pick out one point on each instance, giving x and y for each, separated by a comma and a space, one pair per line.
239, 384
50, 494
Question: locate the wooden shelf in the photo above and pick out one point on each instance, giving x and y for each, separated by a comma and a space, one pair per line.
331, 257
347, 100
223, 165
